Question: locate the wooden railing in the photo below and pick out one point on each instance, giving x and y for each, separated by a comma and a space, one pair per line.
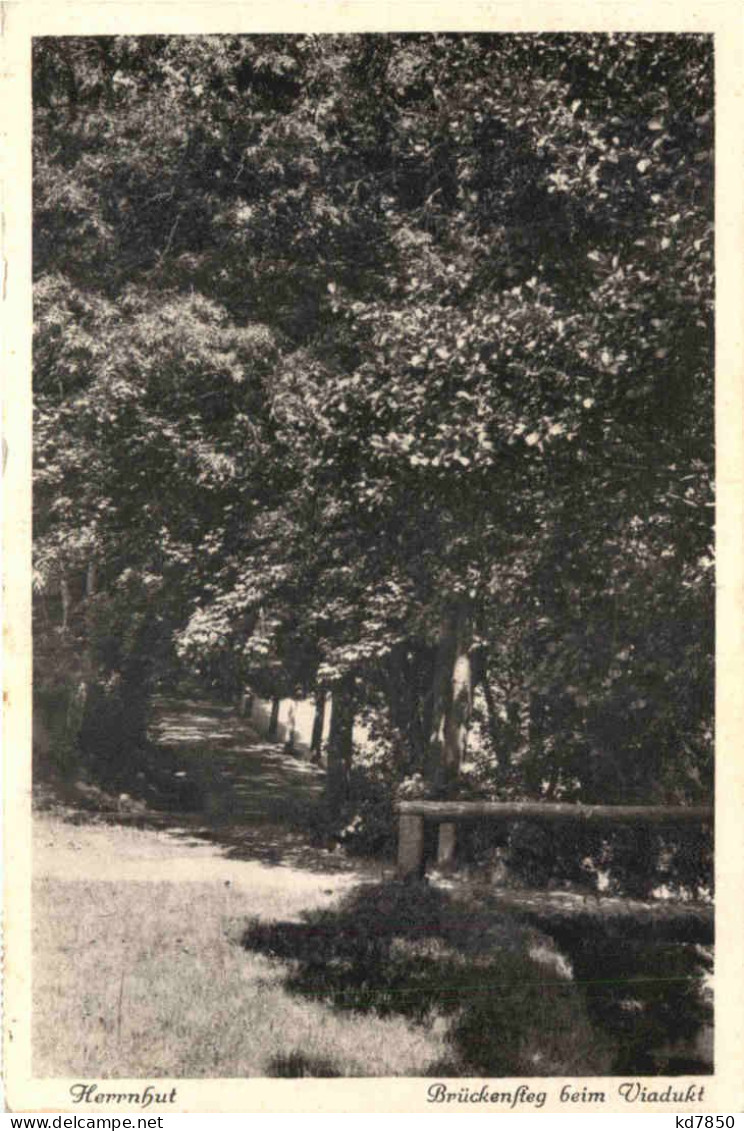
447, 815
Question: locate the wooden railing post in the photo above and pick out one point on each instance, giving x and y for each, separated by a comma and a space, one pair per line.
446, 844
410, 846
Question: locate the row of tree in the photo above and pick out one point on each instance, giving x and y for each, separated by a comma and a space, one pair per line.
382, 365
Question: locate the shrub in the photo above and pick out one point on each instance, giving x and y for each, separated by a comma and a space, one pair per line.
628, 860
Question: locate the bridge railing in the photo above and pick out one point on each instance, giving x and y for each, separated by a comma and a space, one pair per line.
448, 814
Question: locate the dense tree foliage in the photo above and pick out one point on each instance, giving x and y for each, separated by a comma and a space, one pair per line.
383, 365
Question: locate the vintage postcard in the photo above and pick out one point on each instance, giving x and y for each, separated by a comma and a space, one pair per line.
372, 439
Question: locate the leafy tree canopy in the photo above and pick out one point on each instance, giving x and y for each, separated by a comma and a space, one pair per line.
348, 343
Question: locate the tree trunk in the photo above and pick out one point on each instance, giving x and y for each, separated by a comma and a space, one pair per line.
91, 580
503, 735
64, 591
274, 719
316, 740
408, 695
534, 767
494, 723
452, 697
289, 744
340, 744
514, 726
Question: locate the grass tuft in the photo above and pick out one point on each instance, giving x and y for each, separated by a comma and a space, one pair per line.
296, 1063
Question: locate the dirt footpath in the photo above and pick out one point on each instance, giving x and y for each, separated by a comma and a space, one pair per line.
248, 835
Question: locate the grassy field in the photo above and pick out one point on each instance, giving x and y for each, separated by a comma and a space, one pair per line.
146, 977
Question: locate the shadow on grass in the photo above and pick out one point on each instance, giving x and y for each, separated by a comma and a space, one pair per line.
413, 950
621, 1004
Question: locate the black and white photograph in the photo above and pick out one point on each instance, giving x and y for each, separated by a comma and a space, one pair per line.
374, 566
